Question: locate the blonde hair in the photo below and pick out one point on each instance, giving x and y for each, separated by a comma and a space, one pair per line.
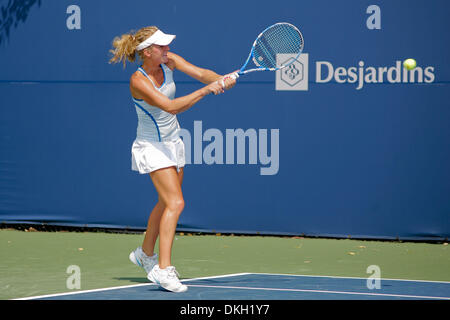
125, 45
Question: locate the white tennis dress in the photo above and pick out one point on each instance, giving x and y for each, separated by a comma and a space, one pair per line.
158, 143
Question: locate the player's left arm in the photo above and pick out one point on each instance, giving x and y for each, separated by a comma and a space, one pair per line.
203, 75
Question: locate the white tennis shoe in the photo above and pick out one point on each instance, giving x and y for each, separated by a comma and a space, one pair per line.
139, 258
167, 278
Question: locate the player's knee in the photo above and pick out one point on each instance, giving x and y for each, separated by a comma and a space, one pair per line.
176, 205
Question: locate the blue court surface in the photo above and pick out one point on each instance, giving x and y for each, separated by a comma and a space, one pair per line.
258, 286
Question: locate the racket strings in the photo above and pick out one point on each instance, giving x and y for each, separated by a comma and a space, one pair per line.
280, 38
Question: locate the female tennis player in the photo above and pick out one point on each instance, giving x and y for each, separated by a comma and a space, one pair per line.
158, 149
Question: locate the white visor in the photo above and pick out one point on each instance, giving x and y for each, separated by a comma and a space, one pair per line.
159, 38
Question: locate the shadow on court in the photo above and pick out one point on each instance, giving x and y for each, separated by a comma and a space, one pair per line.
133, 279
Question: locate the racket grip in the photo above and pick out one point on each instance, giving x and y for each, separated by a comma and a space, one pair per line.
234, 75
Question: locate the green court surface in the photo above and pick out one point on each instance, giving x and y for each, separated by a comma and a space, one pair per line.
35, 263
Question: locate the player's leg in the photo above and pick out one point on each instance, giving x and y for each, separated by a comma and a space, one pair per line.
152, 232
181, 175
168, 185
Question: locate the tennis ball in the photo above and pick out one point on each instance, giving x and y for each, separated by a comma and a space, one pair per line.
409, 64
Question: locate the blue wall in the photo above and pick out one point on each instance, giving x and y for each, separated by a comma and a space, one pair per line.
370, 162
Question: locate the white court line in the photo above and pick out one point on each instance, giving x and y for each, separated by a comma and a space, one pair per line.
342, 277
84, 291
324, 291
122, 287
221, 276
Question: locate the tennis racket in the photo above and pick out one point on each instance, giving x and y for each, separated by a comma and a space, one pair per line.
278, 38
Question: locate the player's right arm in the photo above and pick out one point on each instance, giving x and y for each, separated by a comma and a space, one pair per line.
142, 88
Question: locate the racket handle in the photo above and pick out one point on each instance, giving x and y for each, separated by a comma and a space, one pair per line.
233, 76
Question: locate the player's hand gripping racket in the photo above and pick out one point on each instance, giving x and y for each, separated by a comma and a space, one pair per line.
278, 38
